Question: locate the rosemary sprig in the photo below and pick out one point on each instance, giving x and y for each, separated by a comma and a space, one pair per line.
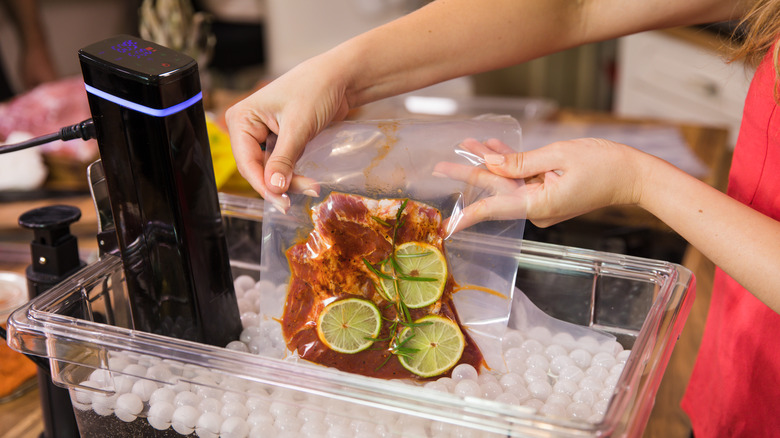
403, 316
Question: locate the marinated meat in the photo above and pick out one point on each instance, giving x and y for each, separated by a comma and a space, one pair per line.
350, 230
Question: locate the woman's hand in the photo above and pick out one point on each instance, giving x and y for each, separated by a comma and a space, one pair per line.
569, 178
296, 106
561, 180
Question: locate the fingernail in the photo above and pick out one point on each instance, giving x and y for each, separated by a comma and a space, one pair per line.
283, 203
494, 159
439, 175
311, 192
277, 180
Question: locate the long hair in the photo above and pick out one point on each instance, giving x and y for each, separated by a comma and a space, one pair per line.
760, 28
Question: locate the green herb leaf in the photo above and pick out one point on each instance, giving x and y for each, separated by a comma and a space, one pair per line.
411, 256
404, 309
384, 362
394, 263
408, 278
380, 221
416, 324
375, 271
401, 209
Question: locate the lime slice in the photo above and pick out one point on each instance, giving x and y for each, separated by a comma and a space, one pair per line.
422, 276
431, 349
349, 325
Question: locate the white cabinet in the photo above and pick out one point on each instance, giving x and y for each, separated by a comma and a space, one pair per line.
669, 76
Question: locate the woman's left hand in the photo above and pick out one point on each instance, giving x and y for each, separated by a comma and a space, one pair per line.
550, 184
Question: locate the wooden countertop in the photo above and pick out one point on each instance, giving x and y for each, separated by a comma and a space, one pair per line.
21, 418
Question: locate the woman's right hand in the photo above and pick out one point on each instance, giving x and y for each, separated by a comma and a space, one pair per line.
296, 107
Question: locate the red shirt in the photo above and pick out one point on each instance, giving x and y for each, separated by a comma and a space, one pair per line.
735, 386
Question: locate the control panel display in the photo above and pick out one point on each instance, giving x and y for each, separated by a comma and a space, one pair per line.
130, 48
137, 56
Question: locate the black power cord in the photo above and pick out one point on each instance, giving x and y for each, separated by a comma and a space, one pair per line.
84, 130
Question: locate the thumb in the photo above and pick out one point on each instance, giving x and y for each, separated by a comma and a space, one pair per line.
285, 151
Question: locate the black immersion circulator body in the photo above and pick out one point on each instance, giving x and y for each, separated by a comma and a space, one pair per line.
163, 195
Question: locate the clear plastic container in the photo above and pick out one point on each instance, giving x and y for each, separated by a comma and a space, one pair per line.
81, 326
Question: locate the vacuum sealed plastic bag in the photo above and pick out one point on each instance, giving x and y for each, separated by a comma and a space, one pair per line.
374, 247
530, 321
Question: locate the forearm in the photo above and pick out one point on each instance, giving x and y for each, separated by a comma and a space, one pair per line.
740, 240
444, 40
453, 38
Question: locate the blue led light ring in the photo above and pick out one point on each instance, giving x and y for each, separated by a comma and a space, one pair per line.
145, 109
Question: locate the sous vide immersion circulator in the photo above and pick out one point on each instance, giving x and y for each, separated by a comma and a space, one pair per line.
146, 103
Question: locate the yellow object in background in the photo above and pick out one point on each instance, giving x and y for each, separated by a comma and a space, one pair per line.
225, 170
